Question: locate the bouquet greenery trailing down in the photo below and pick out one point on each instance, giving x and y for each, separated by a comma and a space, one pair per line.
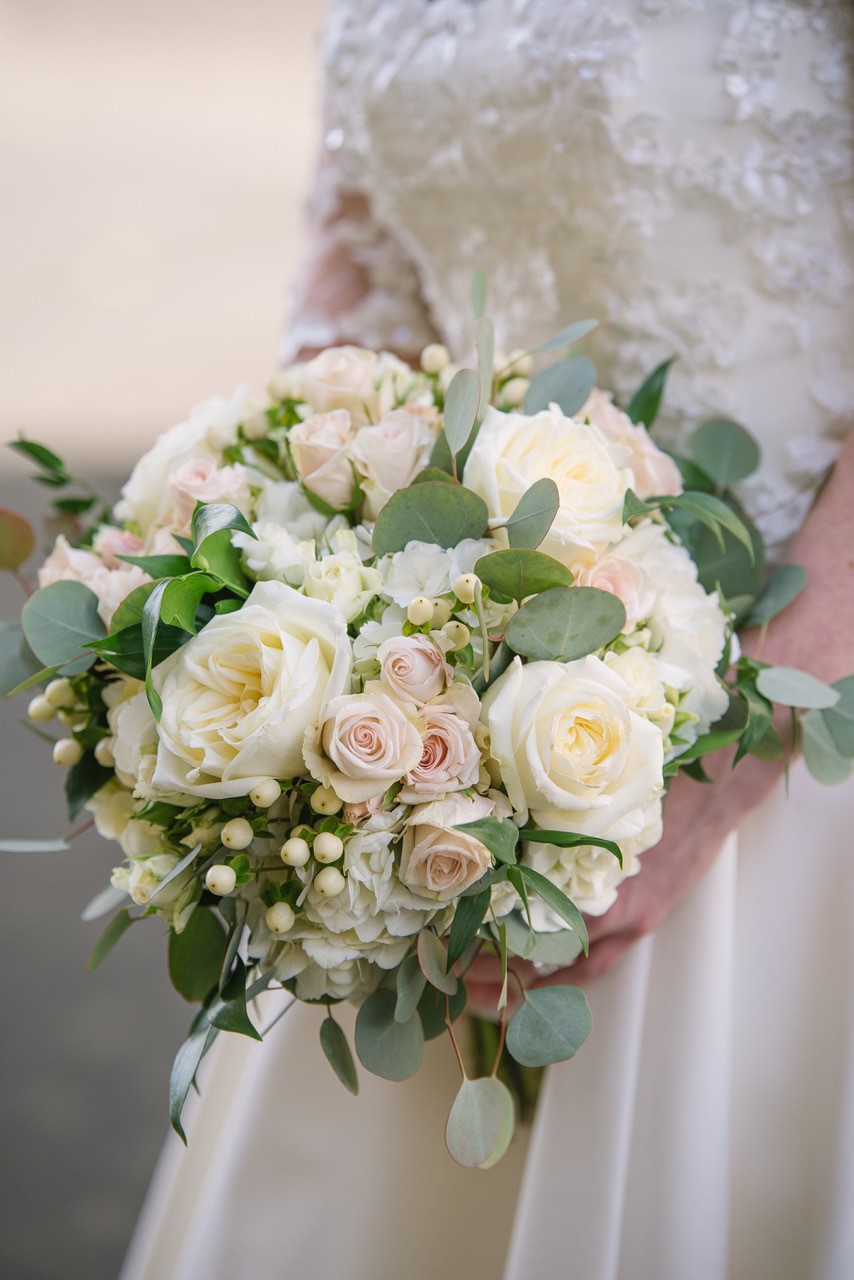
395, 668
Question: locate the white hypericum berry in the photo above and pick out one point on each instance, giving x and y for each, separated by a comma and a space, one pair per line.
256, 426
441, 611
104, 752
40, 710
324, 800
279, 918
237, 834
328, 847
67, 753
447, 375
295, 852
465, 587
514, 391
420, 611
265, 793
329, 882
221, 879
59, 693
434, 357
522, 363
458, 634
500, 359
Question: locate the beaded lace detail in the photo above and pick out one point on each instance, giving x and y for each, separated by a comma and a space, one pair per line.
680, 170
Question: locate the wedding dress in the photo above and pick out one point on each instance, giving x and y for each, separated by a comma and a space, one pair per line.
682, 171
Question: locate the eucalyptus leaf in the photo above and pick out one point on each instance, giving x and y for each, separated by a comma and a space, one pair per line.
478, 291
103, 902
725, 451
481, 1123
58, 621
519, 572
500, 836
568, 385
822, 756
468, 917
840, 717
784, 586
115, 929
460, 413
560, 946
550, 1026
565, 623
646, 402
33, 846
443, 514
17, 540
793, 688
410, 984
434, 473
196, 954
557, 900
534, 514
485, 344
386, 1047
433, 959
431, 1009
18, 663
571, 334
724, 563
334, 1044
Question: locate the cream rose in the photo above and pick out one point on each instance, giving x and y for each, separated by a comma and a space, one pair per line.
450, 757
363, 743
388, 455
414, 668
438, 860
568, 747
199, 479
342, 578
627, 581
512, 451
654, 472
238, 697
351, 378
320, 448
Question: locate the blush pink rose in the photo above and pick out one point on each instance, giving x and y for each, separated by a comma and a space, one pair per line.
655, 474
414, 668
321, 450
199, 479
364, 743
388, 455
450, 757
439, 860
110, 543
623, 579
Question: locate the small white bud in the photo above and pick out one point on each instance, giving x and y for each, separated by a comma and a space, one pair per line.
59, 693
221, 879
328, 847
324, 800
434, 358
40, 710
281, 385
67, 753
329, 882
237, 834
441, 611
420, 611
295, 852
447, 375
265, 793
104, 752
256, 426
522, 363
458, 634
280, 917
500, 360
465, 587
514, 391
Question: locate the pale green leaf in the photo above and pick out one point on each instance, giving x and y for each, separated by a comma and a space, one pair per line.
410, 984
519, 572
565, 623
58, 621
840, 718
481, 1123
103, 902
33, 846
333, 1041
793, 688
433, 959
822, 756
534, 514
478, 291
571, 334
460, 414
784, 586
567, 385
386, 1047
725, 451
560, 946
551, 1025
444, 514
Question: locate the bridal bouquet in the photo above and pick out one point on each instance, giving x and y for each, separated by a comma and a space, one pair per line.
392, 669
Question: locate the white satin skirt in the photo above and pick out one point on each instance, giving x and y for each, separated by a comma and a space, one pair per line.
704, 1132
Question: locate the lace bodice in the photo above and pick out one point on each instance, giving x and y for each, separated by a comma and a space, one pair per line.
681, 170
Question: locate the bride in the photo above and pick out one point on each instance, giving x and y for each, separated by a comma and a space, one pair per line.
682, 171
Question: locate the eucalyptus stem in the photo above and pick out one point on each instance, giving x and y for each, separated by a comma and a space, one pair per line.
448, 1024
478, 607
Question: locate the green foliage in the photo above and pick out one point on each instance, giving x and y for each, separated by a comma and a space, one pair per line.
478, 291
500, 836
485, 343
59, 621
723, 562
196, 955
784, 586
518, 573
431, 1009
568, 336
129, 611
334, 1044
572, 840
468, 917
560, 946
160, 566
460, 413
410, 983
227, 1011
103, 902
550, 1026
181, 599
725, 451
125, 649
83, 780
185, 1066
534, 514
558, 901
840, 717
216, 556
565, 623
45, 459
214, 517
567, 385
481, 1123
33, 846
432, 512
793, 688
386, 1047
822, 756
646, 402
115, 929
17, 540
434, 961
18, 663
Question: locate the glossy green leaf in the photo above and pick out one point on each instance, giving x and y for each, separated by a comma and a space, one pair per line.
17, 540
634, 506
182, 597
386, 1047
433, 959
840, 717
42, 456
460, 413
519, 572
83, 780
714, 513
129, 611
550, 1026
213, 517
567, 385
410, 984
572, 840
184, 1068
195, 955
822, 756
160, 566
534, 514
571, 334
481, 1123
793, 688
333, 1042
443, 514
126, 651
115, 929
646, 402
784, 586
219, 558
58, 621
558, 901
500, 836
724, 563
565, 623
725, 451
468, 917
227, 1011
150, 624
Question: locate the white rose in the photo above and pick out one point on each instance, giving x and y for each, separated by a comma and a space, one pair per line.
438, 860
239, 696
655, 474
342, 578
273, 554
414, 668
133, 727
67, 563
321, 451
568, 747
513, 451
644, 674
362, 382
388, 455
283, 502
450, 757
423, 569
363, 743
112, 586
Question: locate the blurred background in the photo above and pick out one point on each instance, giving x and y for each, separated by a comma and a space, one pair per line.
154, 161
